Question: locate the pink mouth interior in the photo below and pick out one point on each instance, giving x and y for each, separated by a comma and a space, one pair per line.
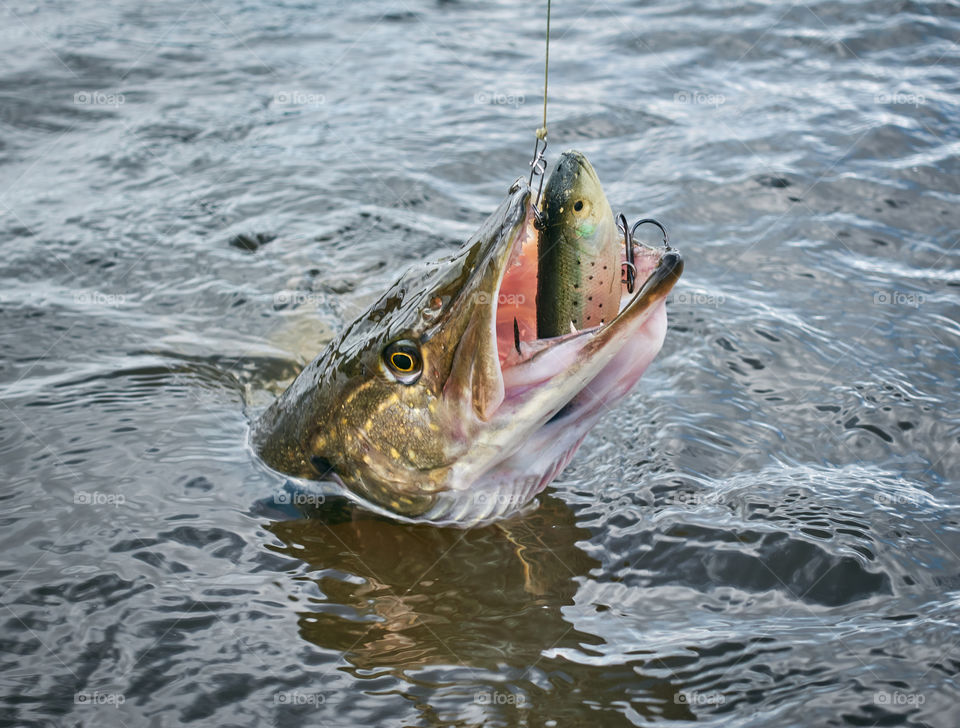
517, 300
518, 295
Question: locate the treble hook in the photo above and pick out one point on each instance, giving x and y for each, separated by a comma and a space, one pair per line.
628, 244
651, 221
538, 166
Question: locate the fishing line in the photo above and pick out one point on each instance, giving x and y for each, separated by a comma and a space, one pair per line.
538, 165
542, 131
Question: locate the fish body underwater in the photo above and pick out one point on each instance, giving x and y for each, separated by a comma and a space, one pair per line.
441, 404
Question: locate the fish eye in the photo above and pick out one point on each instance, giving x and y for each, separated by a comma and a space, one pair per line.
578, 205
402, 359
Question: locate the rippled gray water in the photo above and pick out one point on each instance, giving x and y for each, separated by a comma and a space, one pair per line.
194, 196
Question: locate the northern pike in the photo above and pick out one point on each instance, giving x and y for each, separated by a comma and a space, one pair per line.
441, 404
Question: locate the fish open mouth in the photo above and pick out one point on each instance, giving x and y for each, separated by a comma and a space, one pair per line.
637, 330
493, 411
542, 395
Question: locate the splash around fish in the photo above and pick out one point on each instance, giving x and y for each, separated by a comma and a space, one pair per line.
469, 385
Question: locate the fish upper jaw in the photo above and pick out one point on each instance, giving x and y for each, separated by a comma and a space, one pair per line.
475, 377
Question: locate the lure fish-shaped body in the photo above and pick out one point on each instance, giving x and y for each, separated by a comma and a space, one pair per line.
578, 252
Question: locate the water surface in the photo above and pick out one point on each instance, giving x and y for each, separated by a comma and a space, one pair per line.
194, 197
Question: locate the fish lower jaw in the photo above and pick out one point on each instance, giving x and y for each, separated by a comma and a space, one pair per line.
509, 490
509, 486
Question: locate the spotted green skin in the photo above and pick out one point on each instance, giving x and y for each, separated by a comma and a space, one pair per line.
578, 252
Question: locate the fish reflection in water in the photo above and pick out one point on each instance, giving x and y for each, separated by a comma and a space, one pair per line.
431, 605
437, 593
